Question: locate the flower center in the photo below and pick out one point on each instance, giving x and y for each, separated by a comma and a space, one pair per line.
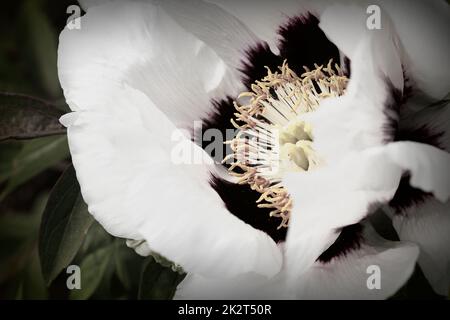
272, 138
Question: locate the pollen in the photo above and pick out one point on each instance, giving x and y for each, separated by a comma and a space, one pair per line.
273, 138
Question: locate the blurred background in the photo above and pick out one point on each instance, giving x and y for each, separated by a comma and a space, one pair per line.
28, 168
31, 165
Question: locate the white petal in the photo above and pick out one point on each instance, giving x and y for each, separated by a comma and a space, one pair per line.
422, 27
138, 44
332, 197
243, 287
429, 166
130, 179
357, 120
141, 247
221, 31
264, 18
344, 192
343, 277
428, 225
347, 277
435, 119
86, 4
346, 26
419, 30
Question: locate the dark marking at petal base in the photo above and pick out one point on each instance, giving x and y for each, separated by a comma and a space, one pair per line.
407, 196
422, 134
347, 67
218, 119
395, 112
303, 43
257, 59
240, 200
349, 239
392, 107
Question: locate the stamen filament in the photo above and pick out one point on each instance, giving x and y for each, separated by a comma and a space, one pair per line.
272, 138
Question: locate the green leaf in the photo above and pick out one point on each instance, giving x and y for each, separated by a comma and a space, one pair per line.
9, 150
93, 269
33, 285
17, 231
106, 288
64, 225
13, 262
18, 226
42, 41
14, 72
34, 157
128, 266
25, 117
157, 281
18, 242
95, 239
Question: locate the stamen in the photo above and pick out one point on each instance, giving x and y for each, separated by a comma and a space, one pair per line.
272, 137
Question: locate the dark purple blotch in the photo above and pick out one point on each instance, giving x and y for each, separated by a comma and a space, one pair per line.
398, 129
240, 200
350, 238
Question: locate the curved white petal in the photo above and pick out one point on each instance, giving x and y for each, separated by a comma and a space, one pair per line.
344, 277
227, 36
434, 119
428, 225
265, 17
354, 275
332, 197
357, 120
137, 188
125, 81
141, 247
429, 166
346, 26
418, 28
86, 4
422, 27
140, 45
344, 192
243, 287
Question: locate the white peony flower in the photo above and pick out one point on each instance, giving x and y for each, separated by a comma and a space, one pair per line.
349, 136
